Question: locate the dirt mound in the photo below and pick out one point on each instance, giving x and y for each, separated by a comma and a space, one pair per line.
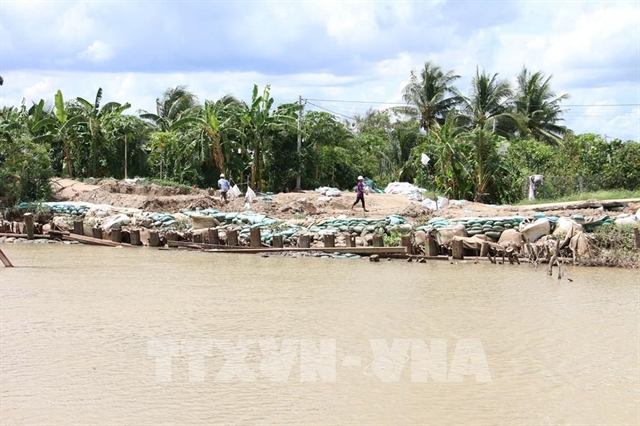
120, 187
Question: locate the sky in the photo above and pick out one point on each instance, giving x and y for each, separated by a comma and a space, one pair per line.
360, 53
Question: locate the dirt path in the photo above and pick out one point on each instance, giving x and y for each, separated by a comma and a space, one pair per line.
307, 203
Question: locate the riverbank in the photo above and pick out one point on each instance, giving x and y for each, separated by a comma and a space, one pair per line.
129, 213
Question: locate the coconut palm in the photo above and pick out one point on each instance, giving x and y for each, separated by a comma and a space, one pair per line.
486, 109
430, 95
538, 107
169, 108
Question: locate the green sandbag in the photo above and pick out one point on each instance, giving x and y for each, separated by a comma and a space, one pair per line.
473, 232
497, 229
230, 216
493, 234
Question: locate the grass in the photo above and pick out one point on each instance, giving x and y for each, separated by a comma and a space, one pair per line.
597, 195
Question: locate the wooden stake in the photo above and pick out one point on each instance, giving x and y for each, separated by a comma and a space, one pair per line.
135, 237
405, 241
636, 238
78, 227
277, 241
96, 232
329, 240
351, 240
28, 222
154, 239
254, 236
431, 246
378, 241
197, 238
457, 249
303, 241
116, 235
214, 236
484, 249
232, 237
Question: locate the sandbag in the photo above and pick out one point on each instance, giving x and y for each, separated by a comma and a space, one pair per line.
235, 191
627, 220
533, 231
510, 238
444, 235
564, 225
250, 195
203, 221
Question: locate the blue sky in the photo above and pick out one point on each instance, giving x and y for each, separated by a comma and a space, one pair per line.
330, 50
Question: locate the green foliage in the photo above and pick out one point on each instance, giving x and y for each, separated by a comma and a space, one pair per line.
482, 147
25, 169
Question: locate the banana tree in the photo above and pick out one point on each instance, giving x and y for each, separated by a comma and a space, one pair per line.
261, 123
93, 116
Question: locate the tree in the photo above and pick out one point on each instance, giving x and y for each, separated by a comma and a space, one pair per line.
486, 108
430, 95
173, 103
92, 118
261, 123
538, 107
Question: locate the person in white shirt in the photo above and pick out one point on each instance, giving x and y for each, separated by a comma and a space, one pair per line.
224, 186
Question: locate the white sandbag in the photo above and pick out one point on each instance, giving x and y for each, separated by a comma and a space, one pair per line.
250, 195
564, 226
429, 204
333, 192
444, 235
203, 221
627, 220
535, 230
116, 221
442, 202
403, 188
234, 191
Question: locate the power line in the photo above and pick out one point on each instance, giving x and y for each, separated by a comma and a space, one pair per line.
397, 103
328, 110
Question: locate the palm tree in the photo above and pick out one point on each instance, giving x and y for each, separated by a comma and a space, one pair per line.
214, 123
538, 107
169, 108
430, 95
486, 108
489, 101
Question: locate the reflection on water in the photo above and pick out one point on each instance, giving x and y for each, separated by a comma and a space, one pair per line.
117, 336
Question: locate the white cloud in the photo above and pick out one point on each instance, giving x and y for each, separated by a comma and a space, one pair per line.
97, 51
322, 49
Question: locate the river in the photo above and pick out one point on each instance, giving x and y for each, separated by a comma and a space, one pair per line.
92, 335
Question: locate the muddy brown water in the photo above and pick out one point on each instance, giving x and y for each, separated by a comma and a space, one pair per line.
144, 337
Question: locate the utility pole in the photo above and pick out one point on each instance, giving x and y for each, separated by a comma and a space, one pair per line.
299, 142
125, 156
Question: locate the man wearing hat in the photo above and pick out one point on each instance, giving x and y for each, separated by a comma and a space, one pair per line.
224, 186
360, 194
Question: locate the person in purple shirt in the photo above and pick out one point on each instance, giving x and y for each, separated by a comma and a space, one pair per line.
360, 194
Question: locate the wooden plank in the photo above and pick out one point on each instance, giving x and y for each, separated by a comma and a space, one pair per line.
36, 237
405, 241
431, 247
277, 241
354, 250
5, 260
94, 241
378, 241
135, 237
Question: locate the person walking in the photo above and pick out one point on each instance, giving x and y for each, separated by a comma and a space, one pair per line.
224, 186
360, 194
